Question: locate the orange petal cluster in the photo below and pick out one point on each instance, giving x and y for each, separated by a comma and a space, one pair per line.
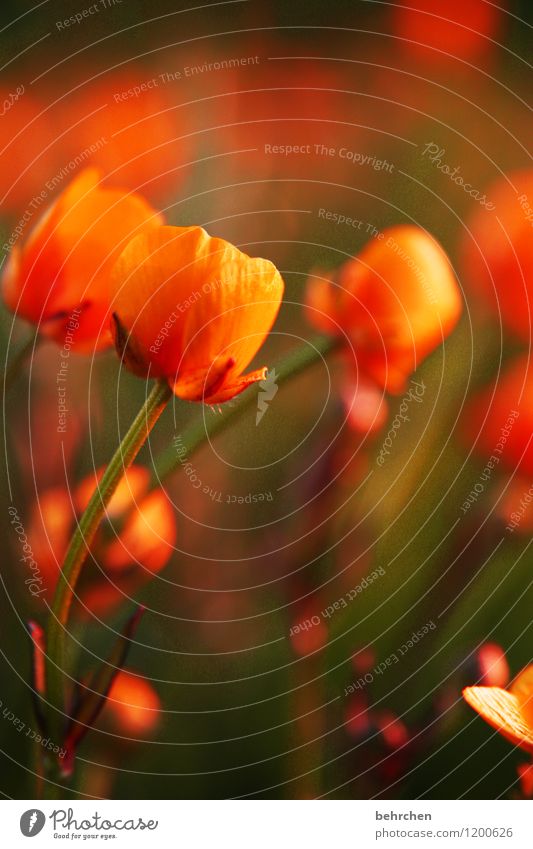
395, 303
28, 137
193, 309
492, 666
133, 704
135, 543
497, 252
147, 144
508, 711
59, 278
499, 418
437, 30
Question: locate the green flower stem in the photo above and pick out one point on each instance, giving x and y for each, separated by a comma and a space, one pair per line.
80, 545
197, 433
193, 438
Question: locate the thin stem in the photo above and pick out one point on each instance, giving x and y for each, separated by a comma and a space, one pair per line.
193, 438
83, 536
197, 433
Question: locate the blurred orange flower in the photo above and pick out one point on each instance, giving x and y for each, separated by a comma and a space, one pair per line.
499, 418
497, 252
133, 704
364, 403
131, 123
493, 669
297, 107
193, 309
134, 544
508, 711
25, 152
59, 278
525, 774
395, 302
432, 28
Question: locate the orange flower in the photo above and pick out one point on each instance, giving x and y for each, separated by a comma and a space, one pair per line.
136, 543
508, 711
396, 302
364, 403
133, 704
193, 309
525, 774
59, 278
497, 252
493, 669
499, 418
497, 424
146, 144
432, 28
28, 135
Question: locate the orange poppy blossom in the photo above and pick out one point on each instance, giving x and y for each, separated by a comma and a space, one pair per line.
146, 136
430, 29
497, 252
134, 544
525, 775
28, 136
395, 303
499, 417
365, 406
497, 423
508, 711
194, 310
59, 278
132, 704
492, 666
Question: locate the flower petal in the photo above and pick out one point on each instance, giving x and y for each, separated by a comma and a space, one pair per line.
397, 300
232, 387
321, 303
66, 261
133, 703
522, 688
148, 536
131, 487
194, 308
501, 709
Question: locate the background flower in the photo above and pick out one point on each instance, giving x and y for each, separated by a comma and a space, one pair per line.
59, 279
134, 544
395, 302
